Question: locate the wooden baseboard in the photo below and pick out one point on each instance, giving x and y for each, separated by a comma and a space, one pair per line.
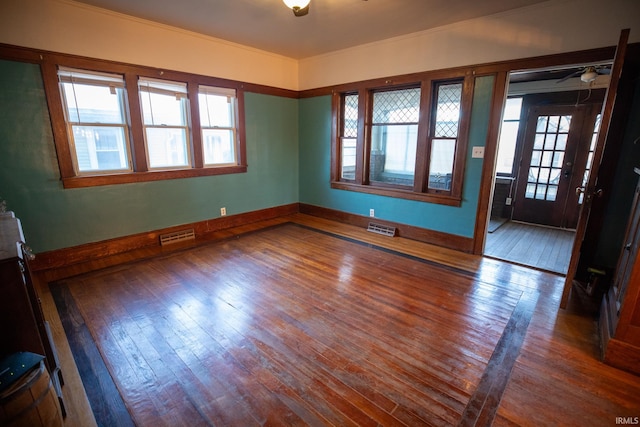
62, 258
450, 241
623, 356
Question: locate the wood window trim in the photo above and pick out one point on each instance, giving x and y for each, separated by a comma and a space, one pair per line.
141, 173
420, 190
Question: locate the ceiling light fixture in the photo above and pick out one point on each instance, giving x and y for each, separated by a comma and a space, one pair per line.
589, 75
299, 7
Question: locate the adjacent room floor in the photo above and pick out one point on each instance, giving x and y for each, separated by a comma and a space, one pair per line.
541, 247
309, 322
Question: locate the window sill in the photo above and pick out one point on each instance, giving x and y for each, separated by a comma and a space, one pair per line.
127, 178
442, 199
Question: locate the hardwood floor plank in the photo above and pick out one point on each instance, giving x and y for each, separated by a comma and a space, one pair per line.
295, 326
106, 402
545, 248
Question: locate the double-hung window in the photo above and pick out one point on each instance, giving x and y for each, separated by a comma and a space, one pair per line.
407, 141
96, 118
118, 123
218, 108
443, 137
348, 136
165, 121
394, 136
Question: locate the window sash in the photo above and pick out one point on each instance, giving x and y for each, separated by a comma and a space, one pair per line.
165, 122
84, 94
218, 125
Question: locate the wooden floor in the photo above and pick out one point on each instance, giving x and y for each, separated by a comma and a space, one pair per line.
317, 323
536, 246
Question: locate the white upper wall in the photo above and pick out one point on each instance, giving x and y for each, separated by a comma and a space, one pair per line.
546, 28
70, 27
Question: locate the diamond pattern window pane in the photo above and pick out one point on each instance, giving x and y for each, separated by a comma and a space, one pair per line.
350, 113
396, 106
448, 110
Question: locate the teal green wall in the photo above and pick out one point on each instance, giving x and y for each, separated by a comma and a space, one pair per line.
53, 217
315, 158
288, 152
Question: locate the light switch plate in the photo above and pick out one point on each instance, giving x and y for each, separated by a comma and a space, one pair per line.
477, 152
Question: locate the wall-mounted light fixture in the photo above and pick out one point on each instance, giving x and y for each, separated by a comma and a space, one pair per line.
299, 7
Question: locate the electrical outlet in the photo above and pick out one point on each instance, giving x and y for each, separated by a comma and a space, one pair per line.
223, 211
508, 201
372, 212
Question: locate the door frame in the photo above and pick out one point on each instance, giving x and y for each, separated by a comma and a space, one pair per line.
501, 80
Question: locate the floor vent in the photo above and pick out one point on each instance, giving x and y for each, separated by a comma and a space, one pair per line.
385, 230
177, 236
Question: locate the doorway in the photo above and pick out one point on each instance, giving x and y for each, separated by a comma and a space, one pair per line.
544, 152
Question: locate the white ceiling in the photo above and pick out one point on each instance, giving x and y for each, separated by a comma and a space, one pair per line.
330, 25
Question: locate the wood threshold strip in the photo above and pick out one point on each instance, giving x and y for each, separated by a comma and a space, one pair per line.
484, 402
110, 409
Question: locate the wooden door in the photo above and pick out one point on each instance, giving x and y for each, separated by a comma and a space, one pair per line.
555, 157
589, 190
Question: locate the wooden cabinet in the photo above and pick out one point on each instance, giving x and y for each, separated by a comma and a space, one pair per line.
620, 311
22, 323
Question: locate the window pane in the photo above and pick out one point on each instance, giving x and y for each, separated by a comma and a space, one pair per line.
536, 157
441, 165
544, 175
161, 109
557, 159
542, 124
348, 158
167, 147
507, 147
216, 110
552, 193
100, 148
393, 154
530, 191
218, 146
541, 192
396, 106
350, 116
550, 141
512, 109
448, 110
565, 122
561, 142
538, 141
93, 104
